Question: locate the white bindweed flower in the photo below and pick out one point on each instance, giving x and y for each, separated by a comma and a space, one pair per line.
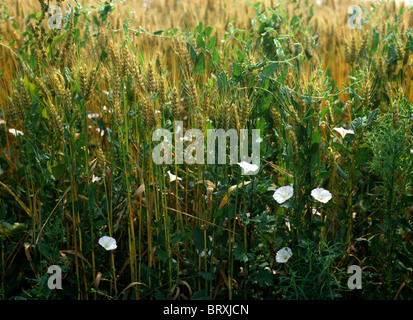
288, 224
106, 110
105, 92
101, 132
108, 243
15, 132
321, 195
283, 255
96, 179
2, 121
283, 194
173, 177
247, 167
315, 212
343, 132
411, 151
93, 115
270, 270
202, 254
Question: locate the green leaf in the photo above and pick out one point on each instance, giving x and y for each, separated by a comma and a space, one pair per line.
241, 56
323, 112
200, 64
236, 70
256, 66
265, 278
44, 249
222, 82
96, 20
159, 295
339, 147
58, 170
56, 40
191, 51
341, 173
44, 113
212, 43
198, 236
200, 42
207, 31
49, 167
199, 28
362, 156
268, 71
215, 56
200, 295
316, 137
372, 115
209, 276
161, 254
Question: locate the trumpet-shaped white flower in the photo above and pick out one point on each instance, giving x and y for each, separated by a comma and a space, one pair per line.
247, 167
105, 92
315, 212
270, 270
100, 132
93, 115
202, 253
288, 224
282, 194
106, 109
343, 132
321, 195
2, 121
283, 255
15, 132
173, 177
108, 243
96, 179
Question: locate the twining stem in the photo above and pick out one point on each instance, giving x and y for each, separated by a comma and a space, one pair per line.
110, 222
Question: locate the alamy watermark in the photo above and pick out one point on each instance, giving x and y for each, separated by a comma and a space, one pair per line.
355, 17
354, 282
215, 154
55, 21
55, 280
